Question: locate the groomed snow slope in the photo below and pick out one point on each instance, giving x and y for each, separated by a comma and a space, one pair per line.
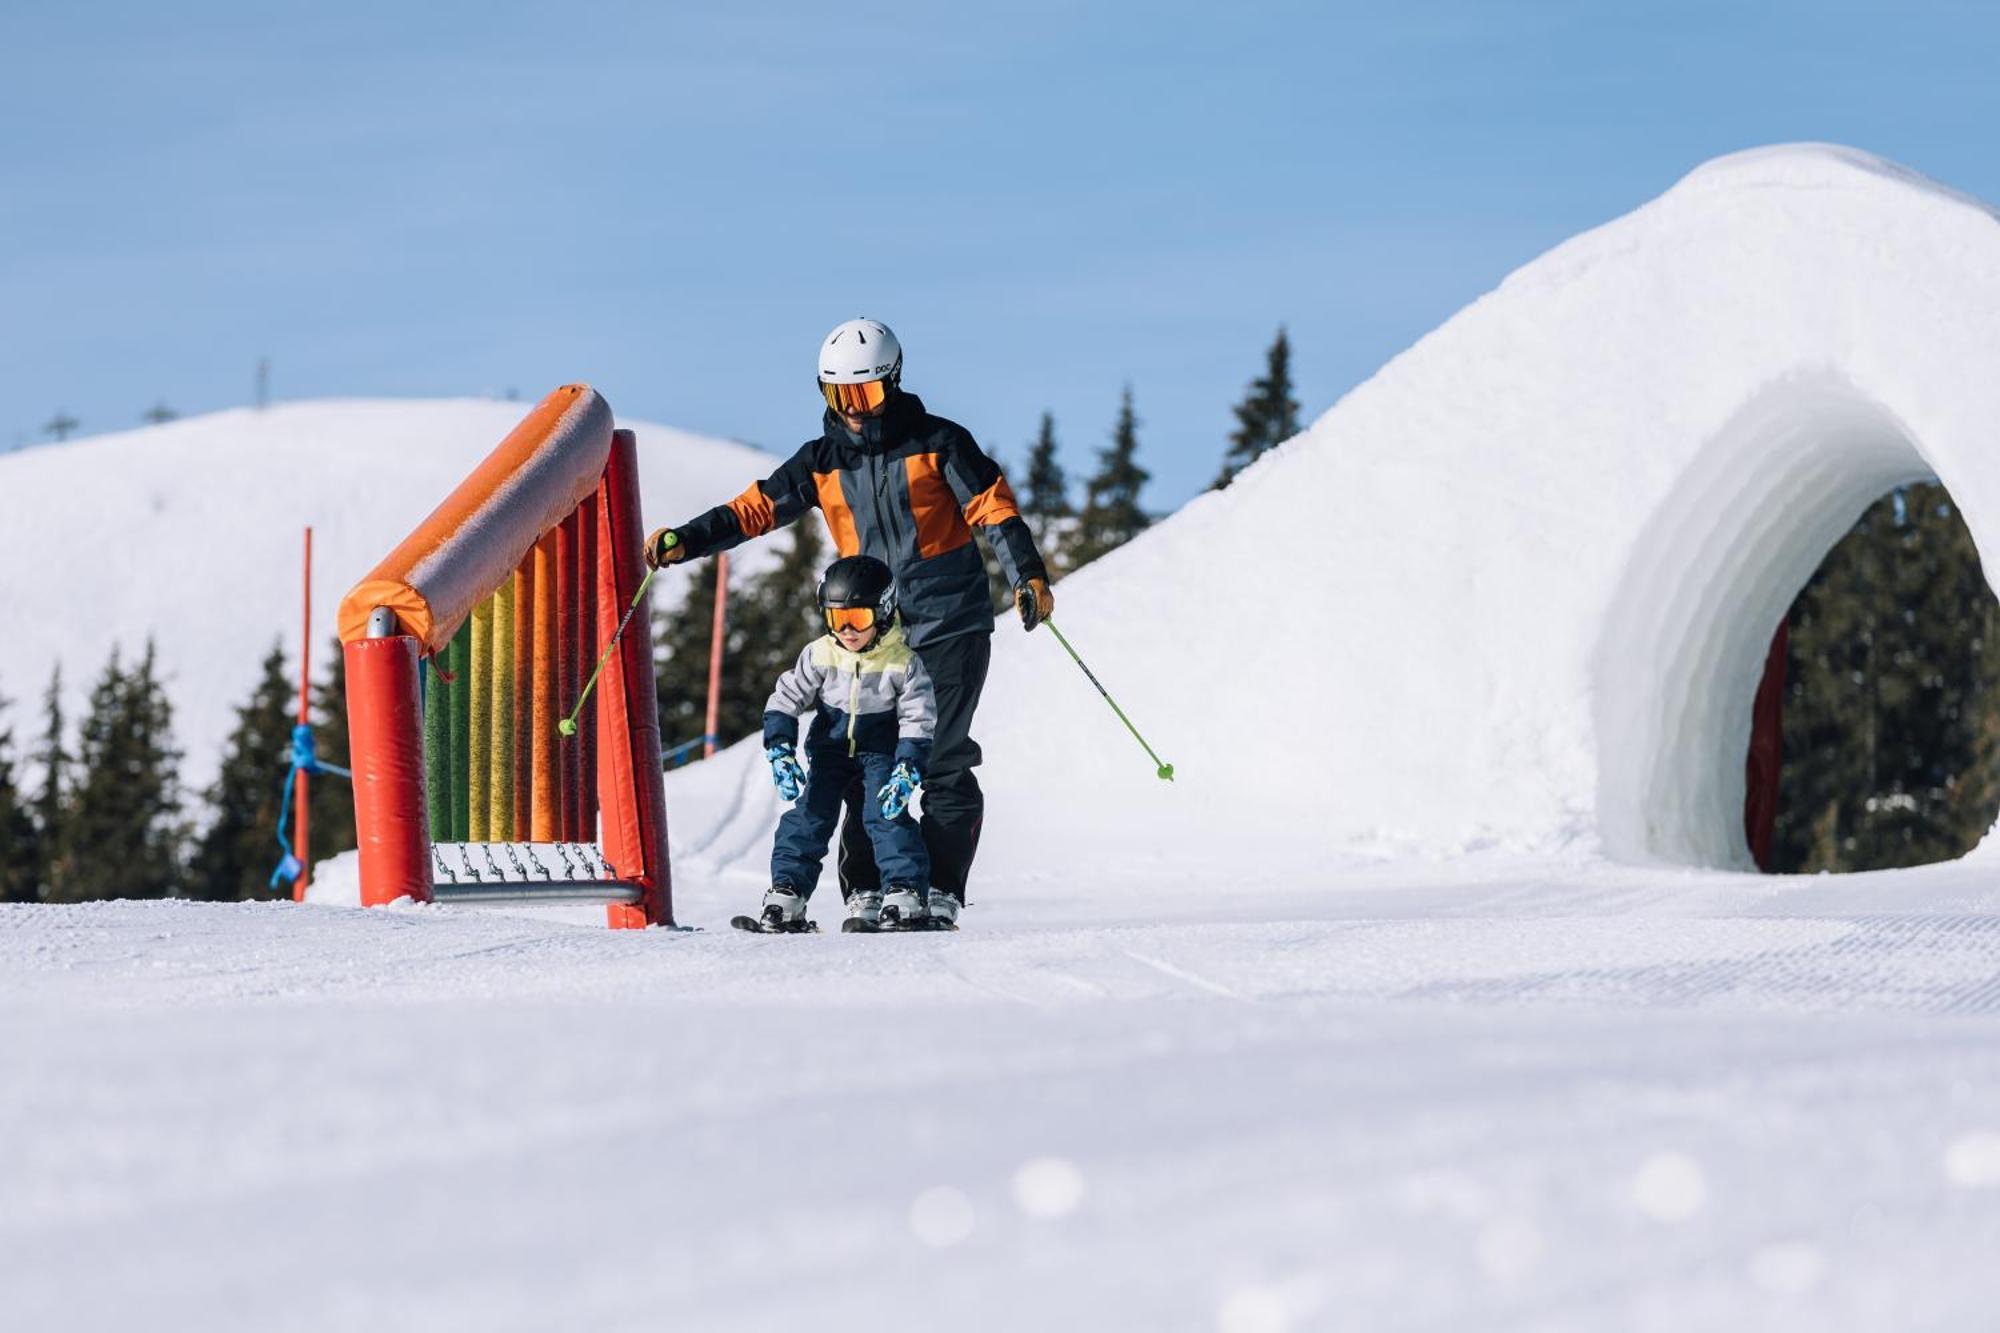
190, 532
1455, 1097
1515, 591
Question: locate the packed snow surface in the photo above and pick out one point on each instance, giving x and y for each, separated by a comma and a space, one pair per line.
1394, 1097
191, 532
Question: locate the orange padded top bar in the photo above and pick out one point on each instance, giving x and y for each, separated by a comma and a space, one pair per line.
459, 555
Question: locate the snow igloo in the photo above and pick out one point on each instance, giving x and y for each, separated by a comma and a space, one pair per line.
1517, 589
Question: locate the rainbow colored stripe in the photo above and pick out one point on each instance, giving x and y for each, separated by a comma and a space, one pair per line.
495, 768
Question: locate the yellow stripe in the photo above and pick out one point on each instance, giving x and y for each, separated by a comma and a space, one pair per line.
481, 685
500, 819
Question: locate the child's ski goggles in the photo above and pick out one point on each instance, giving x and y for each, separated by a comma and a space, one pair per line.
850, 617
859, 400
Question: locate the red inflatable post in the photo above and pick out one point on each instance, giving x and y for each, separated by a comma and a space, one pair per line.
386, 745
629, 779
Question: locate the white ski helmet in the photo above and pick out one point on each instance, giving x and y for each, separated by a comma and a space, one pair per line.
859, 351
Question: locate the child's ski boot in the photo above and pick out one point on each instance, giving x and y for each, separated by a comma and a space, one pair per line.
902, 908
914, 909
940, 911
864, 912
783, 913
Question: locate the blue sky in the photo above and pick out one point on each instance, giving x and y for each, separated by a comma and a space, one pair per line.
1046, 200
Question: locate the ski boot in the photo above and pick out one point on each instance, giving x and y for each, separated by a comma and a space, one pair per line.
783, 913
903, 908
941, 911
864, 912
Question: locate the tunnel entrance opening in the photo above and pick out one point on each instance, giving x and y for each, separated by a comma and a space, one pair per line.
1888, 667
1717, 566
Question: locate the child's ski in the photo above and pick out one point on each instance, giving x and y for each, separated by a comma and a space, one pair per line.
757, 926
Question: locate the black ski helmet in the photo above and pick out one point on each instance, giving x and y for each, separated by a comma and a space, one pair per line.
859, 580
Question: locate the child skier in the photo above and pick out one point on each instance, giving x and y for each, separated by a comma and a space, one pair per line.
874, 713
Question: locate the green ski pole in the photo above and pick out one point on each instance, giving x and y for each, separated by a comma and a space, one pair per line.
567, 727
1165, 771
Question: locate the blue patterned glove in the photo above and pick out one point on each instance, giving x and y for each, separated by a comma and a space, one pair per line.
785, 770
897, 791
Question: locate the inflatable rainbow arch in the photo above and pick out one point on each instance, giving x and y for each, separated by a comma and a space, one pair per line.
469, 643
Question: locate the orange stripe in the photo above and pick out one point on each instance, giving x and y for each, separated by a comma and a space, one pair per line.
522, 701
566, 672
940, 526
457, 556
545, 806
754, 511
839, 518
993, 505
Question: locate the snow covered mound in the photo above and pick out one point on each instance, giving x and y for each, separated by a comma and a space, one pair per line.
1515, 591
190, 532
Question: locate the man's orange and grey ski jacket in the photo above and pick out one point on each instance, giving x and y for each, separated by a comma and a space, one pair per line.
909, 491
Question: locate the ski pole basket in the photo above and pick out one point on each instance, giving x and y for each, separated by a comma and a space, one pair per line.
468, 644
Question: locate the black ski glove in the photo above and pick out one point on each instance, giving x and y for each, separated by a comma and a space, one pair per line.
1034, 601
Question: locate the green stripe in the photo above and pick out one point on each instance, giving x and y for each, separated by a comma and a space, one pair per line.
458, 662
437, 752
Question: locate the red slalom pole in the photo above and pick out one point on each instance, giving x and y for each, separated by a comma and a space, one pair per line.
300, 805
715, 654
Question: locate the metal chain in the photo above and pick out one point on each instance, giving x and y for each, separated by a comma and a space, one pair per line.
486, 851
514, 859
569, 866
536, 862
465, 859
444, 871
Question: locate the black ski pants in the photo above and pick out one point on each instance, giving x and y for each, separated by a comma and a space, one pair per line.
954, 807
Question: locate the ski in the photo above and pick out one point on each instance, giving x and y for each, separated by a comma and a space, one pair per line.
851, 926
920, 925
756, 926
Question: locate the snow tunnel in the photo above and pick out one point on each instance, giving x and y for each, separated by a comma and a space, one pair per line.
1709, 579
1525, 578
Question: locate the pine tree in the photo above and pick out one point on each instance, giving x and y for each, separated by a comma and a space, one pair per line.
779, 617
235, 855
1890, 732
681, 653
1045, 501
1976, 794
1111, 515
20, 841
51, 803
120, 838
331, 796
770, 618
1267, 416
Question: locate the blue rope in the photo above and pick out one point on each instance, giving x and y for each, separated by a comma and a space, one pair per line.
305, 759
675, 757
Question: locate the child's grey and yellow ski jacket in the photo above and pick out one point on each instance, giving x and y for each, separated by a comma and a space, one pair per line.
877, 701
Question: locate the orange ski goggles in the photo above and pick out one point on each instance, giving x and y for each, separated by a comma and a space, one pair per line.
859, 400
859, 618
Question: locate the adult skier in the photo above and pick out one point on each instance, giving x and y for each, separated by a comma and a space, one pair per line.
906, 487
